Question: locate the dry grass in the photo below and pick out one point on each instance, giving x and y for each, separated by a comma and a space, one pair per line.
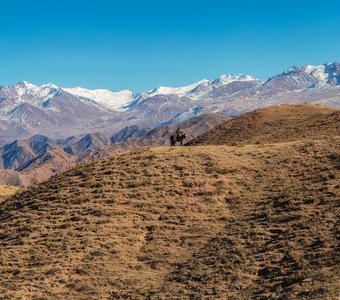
208, 222
282, 123
7, 191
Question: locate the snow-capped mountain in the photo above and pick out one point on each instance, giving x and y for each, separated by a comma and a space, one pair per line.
27, 109
327, 74
184, 90
200, 88
28, 92
227, 79
113, 100
307, 76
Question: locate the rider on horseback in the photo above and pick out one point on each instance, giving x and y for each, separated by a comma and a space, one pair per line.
179, 136
179, 132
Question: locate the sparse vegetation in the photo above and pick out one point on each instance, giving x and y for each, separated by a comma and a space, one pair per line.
7, 191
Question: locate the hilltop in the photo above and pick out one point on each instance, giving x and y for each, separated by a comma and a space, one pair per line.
160, 136
250, 222
24, 162
275, 124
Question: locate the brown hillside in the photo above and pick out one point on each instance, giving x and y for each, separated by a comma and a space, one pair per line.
211, 222
275, 124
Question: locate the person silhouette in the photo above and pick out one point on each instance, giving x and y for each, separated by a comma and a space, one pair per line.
179, 132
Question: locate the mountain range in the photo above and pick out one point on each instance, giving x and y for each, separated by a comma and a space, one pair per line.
27, 109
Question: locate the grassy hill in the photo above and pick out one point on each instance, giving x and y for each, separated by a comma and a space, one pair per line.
275, 124
206, 222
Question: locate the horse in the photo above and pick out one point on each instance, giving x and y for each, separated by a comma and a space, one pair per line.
175, 138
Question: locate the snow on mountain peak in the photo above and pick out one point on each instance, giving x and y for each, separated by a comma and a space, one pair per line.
199, 88
43, 92
113, 100
27, 85
326, 74
119, 101
294, 79
229, 78
49, 85
240, 77
318, 72
175, 90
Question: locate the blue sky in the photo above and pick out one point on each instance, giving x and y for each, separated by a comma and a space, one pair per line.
139, 45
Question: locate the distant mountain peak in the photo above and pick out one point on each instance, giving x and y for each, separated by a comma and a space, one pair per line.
175, 90
25, 90
33, 87
322, 73
318, 72
50, 85
200, 86
308, 76
113, 100
230, 78
27, 85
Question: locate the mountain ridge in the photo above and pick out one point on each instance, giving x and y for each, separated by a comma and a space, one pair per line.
27, 109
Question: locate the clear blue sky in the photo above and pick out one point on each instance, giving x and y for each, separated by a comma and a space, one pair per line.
139, 45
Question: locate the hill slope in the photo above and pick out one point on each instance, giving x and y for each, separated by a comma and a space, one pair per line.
275, 124
251, 222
